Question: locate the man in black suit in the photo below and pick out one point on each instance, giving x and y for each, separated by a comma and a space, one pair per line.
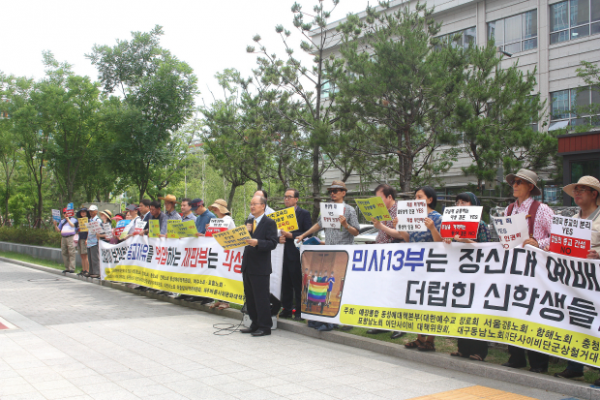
291, 282
256, 268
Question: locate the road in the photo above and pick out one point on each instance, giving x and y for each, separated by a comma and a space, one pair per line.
79, 341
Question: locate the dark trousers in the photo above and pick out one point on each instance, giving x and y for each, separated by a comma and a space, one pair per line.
536, 360
468, 347
94, 259
574, 366
256, 289
291, 285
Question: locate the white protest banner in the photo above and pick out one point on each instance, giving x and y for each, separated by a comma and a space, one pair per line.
191, 266
56, 215
462, 221
216, 225
330, 215
512, 231
571, 236
411, 215
478, 291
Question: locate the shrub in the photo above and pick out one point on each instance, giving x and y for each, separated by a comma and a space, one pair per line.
34, 237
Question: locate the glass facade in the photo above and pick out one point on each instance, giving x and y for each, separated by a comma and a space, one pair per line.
571, 107
574, 19
515, 34
463, 38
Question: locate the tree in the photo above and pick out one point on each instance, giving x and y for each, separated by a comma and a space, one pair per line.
158, 98
590, 73
399, 91
9, 153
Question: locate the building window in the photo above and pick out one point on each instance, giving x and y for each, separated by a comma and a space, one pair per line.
463, 38
572, 107
515, 34
574, 19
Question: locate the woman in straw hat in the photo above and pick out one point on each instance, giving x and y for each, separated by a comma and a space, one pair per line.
219, 208
105, 216
586, 193
524, 185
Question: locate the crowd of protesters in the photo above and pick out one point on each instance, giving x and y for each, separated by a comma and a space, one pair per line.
585, 192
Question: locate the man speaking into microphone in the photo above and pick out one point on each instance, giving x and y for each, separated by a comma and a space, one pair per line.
256, 268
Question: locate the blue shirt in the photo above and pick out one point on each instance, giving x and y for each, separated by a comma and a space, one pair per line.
92, 239
419, 237
202, 220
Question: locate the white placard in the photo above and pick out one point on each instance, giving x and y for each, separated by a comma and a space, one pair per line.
512, 231
462, 221
330, 215
107, 230
94, 227
411, 216
570, 236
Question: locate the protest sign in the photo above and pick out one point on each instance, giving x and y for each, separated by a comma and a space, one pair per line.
56, 215
173, 228
139, 226
462, 221
570, 236
107, 231
330, 215
94, 227
411, 215
187, 229
121, 227
234, 238
285, 219
512, 231
83, 224
216, 225
524, 297
70, 210
153, 228
191, 266
374, 208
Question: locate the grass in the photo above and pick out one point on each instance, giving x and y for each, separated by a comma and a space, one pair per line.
27, 258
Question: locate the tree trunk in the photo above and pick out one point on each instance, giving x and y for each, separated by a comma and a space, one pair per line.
230, 197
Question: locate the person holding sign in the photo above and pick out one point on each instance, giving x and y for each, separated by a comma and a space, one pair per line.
170, 212
157, 214
186, 210
348, 220
524, 184
67, 229
105, 217
291, 281
93, 251
203, 216
586, 193
219, 208
133, 215
82, 244
256, 268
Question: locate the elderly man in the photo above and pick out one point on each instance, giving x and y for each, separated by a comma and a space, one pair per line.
67, 229
170, 212
92, 245
256, 268
262, 193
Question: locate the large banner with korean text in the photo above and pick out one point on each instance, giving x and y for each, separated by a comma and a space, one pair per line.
524, 297
190, 266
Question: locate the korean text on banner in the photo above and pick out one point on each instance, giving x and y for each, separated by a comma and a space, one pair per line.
512, 231
411, 216
524, 297
216, 225
374, 208
462, 221
56, 215
570, 236
173, 228
188, 229
70, 210
153, 228
83, 224
285, 219
330, 215
234, 238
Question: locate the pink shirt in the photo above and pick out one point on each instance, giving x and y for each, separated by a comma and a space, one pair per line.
543, 220
383, 237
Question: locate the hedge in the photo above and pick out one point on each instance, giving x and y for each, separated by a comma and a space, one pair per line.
35, 237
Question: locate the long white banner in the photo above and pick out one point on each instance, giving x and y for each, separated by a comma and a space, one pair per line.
192, 266
524, 297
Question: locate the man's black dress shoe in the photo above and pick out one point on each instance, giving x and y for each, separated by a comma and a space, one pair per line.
538, 370
568, 374
397, 335
248, 330
261, 332
375, 331
513, 365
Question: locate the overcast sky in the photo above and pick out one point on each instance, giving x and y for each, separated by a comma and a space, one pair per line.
208, 35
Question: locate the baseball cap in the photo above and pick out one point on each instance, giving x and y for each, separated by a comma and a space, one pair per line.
93, 207
131, 207
196, 203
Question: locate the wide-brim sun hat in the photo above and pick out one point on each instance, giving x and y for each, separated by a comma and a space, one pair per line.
586, 180
338, 185
528, 176
220, 205
107, 214
169, 198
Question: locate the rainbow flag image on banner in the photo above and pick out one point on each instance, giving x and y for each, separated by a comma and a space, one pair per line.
317, 291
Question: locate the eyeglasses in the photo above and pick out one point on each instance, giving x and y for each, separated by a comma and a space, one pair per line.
581, 190
334, 191
288, 197
518, 182
255, 204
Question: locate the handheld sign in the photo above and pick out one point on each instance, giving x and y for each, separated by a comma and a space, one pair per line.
411, 216
83, 224
330, 215
570, 236
285, 219
188, 229
94, 227
70, 210
56, 215
153, 228
216, 225
121, 226
173, 227
374, 208
107, 230
462, 221
234, 238
512, 231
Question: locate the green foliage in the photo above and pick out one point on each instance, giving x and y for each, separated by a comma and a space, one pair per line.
34, 237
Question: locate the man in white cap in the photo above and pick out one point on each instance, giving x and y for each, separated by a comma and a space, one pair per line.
92, 245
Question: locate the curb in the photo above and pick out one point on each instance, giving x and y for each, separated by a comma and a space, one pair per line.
477, 368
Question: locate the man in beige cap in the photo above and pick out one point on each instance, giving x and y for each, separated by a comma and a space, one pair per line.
524, 184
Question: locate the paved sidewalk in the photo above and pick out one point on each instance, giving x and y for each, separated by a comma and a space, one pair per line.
75, 340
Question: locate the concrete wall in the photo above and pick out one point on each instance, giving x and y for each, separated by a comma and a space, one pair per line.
43, 253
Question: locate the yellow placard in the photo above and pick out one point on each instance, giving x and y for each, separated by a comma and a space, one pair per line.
153, 228
187, 229
233, 238
83, 224
173, 228
124, 232
285, 219
374, 208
